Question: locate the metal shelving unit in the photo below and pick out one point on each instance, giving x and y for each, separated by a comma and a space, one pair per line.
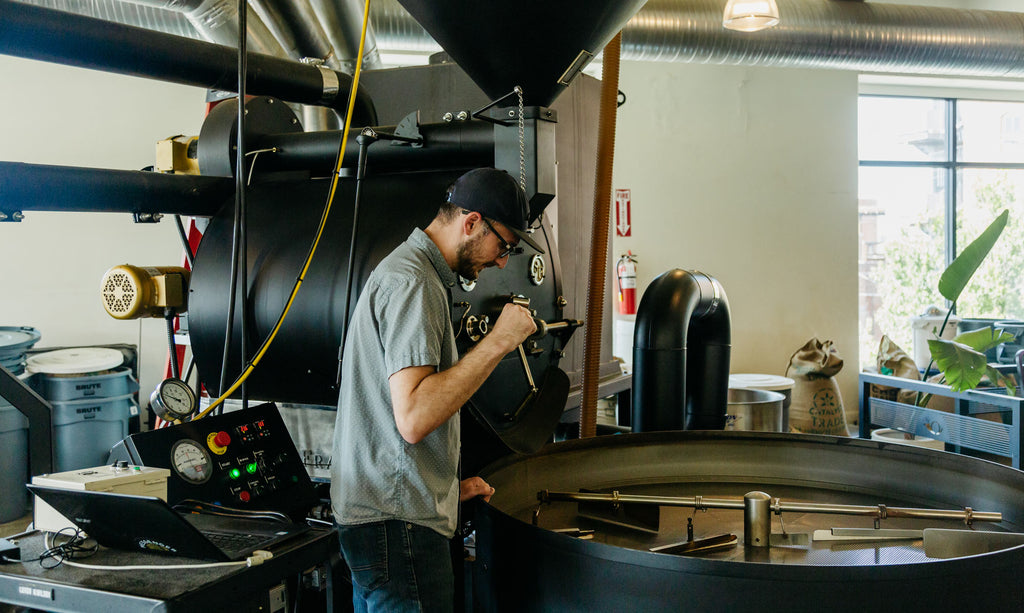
962, 429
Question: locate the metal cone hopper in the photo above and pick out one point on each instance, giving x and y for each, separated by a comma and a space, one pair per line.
536, 44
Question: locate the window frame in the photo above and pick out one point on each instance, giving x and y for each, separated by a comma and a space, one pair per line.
951, 166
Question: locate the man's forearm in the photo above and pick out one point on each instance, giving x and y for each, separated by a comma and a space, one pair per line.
440, 395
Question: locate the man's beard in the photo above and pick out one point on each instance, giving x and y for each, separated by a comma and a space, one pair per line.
465, 265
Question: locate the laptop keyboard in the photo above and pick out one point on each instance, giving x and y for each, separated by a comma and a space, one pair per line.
235, 540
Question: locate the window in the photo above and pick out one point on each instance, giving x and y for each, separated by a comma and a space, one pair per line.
934, 172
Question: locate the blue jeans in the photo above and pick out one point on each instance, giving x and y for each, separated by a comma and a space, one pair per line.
397, 566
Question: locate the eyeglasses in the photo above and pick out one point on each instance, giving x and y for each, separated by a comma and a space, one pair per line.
507, 248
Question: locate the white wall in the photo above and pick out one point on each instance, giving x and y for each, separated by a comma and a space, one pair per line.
52, 262
749, 175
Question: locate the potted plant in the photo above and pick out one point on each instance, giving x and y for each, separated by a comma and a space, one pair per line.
962, 360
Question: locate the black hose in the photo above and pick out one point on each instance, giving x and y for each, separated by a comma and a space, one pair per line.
184, 242
237, 225
171, 347
365, 140
240, 184
188, 370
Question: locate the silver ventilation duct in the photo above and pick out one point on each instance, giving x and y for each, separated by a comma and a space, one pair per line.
296, 27
835, 34
342, 21
396, 30
217, 22
126, 13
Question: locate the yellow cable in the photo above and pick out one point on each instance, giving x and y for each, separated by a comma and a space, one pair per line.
320, 230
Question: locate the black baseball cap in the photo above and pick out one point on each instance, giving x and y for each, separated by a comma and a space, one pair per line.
496, 195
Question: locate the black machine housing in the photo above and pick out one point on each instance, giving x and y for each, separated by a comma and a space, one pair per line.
284, 205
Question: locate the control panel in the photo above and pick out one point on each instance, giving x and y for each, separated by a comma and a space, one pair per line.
243, 459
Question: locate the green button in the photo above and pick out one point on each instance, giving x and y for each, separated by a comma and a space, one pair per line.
235, 473
251, 467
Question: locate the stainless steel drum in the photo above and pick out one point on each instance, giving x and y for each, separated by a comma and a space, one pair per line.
533, 556
756, 410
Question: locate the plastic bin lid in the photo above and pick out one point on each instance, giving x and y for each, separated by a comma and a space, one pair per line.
75, 361
761, 382
15, 340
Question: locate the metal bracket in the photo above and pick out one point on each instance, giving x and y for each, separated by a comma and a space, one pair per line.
409, 129
40, 420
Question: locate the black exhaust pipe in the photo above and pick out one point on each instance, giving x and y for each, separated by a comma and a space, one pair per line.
681, 310
48, 35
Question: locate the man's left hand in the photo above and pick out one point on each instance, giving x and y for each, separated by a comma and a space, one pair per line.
473, 487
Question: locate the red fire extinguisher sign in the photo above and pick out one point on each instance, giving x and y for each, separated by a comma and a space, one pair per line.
625, 272
623, 226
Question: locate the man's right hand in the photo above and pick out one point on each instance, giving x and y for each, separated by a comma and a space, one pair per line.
514, 325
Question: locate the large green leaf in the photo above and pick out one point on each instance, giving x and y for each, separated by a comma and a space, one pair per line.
997, 378
954, 279
962, 366
983, 339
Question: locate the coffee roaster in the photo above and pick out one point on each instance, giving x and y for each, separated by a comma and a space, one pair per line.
409, 140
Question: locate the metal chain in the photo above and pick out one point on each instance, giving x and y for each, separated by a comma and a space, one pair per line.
522, 141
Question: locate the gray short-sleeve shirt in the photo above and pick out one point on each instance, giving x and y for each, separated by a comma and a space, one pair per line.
402, 319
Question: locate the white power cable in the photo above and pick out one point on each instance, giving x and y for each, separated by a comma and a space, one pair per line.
257, 558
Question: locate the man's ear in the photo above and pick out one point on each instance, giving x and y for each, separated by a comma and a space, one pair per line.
469, 222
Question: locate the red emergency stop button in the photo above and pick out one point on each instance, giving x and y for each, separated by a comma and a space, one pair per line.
218, 442
244, 496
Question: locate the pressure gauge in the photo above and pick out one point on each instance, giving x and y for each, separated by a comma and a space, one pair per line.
173, 399
191, 461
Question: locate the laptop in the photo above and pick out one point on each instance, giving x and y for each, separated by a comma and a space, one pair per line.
146, 523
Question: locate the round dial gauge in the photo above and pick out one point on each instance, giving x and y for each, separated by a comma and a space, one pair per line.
191, 461
173, 399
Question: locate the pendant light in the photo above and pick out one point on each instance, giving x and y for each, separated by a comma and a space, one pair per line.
750, 15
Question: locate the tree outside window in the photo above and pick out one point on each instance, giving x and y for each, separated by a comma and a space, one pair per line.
934, 173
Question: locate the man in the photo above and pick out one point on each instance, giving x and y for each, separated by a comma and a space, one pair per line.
395, 487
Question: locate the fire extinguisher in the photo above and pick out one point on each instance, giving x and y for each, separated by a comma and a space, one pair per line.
625, 271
